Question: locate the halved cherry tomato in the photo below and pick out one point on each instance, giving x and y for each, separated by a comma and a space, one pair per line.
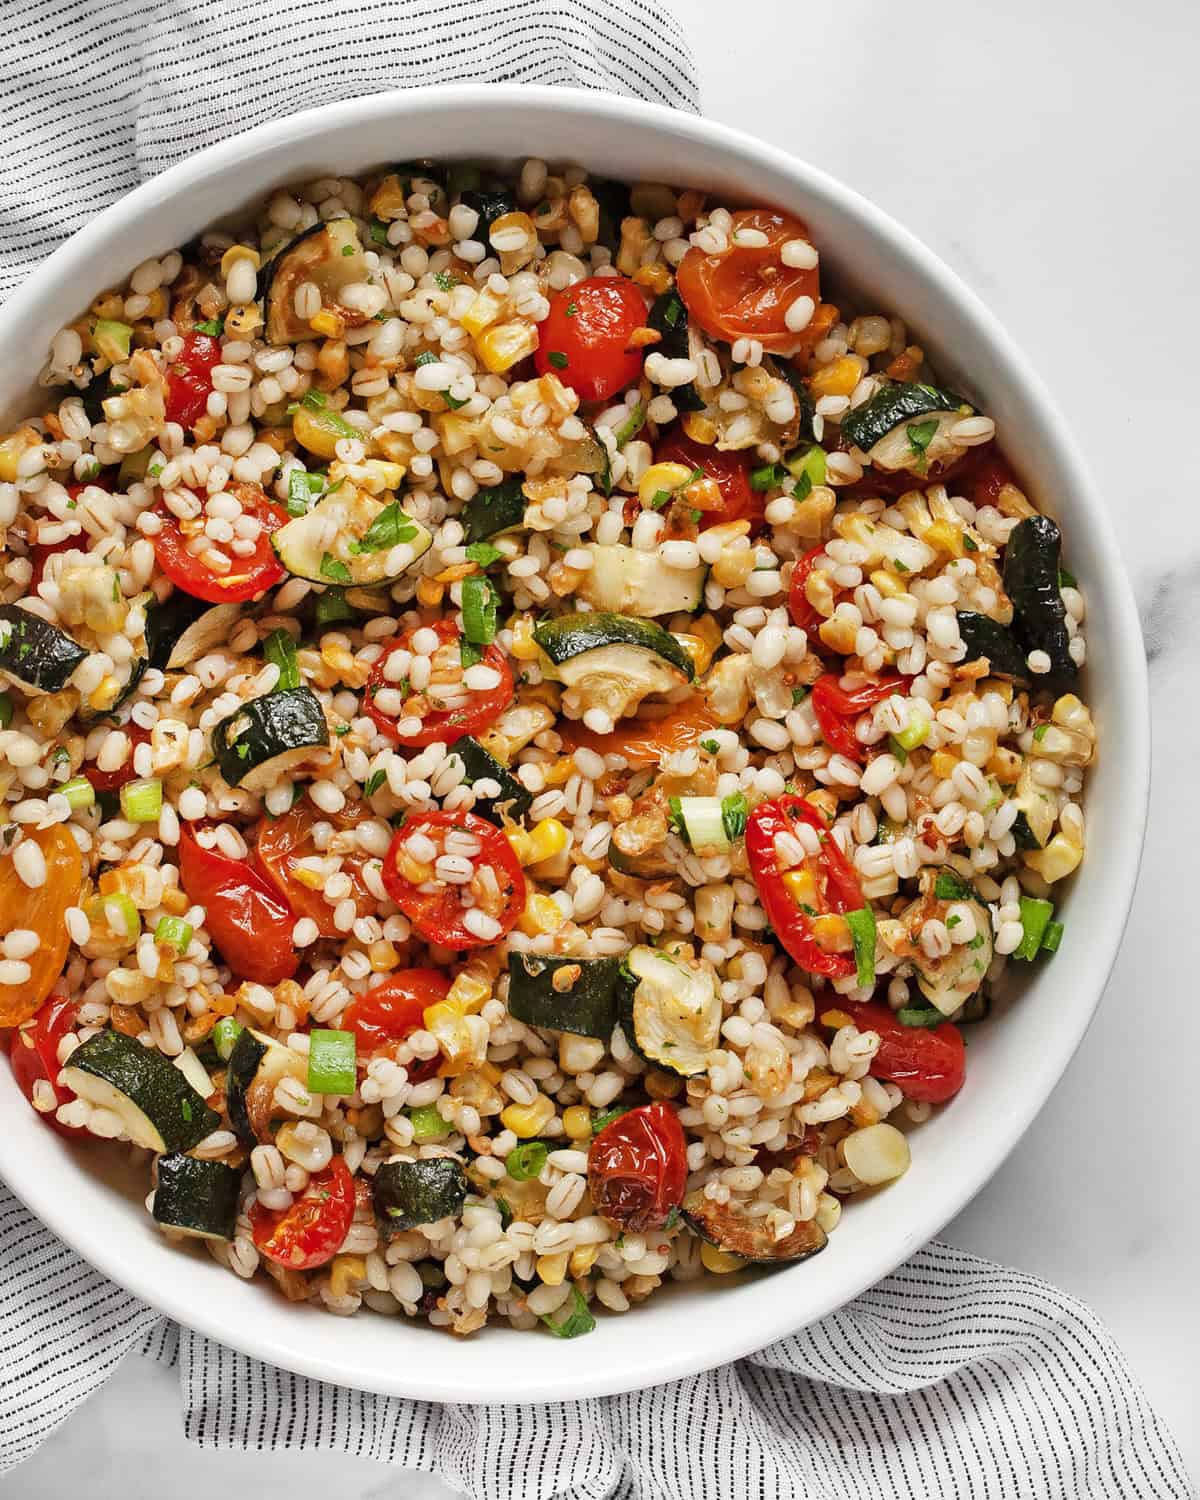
731, 472
189, 379
395, 1009
478, 711
246, 576
112, 781
987, 471
41, 553
584, 339
637, 1167
310, 1232
281, 843
837, 708
42, 910
249, 922
746, 290
644, 742
836, 887
33, 1053
801, 611
438, 914
924, 1063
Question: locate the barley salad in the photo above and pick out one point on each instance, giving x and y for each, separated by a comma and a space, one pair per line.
529, 732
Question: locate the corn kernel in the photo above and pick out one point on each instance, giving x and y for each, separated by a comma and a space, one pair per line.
520, 843
430, 592
243, 320
583, 1258
383, 956
836, 379
236, 253
546, 839
387, 201
801, 886
942, 764
483, 312
944, 537
552, 1269
666, 476
327, 323
457, 433
346, 1272
448, 1024
505, 345
174, 901
1060, 858
561, 771
836, 1018
527, 1120
469, 992
818, 1081
699, 428
719, 1261
542, 914
524, 647
831, 933
491, 1072
577, 1122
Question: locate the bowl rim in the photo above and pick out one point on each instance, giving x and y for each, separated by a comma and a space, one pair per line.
760, 1323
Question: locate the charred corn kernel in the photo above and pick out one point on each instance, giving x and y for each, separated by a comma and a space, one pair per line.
524, 647
1057, 860
413, 870
174, 901
699, 428
519, 842
945, 537
541, 914
1005, 766
373, 475
700, 652
448, 1024
327, 323
236, 253
546, 839
527, 1120
655, 278
383, 956
505, 345
818, 1081
562, 770
577, 1122
836, 379
887, 583
661, 477
942, 764
552, 1269
836, 1018
469, 992
104, 696
801, 886
430, 591
243, 320
128, 986
456, 432
831, 932
839, 634
662, 1085
483, 312
864, 1113
387, 201
720, 1262
346, 1274
583, 1258
733, 567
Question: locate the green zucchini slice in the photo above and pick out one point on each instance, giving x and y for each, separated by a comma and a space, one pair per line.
266, 738
492, 511
567, 638
328, 255
564, 994
987, 639
632, 582
157, 1105
669, 319
34, 654
197, 1198
409, 1193
256, 1064
513, 800
1031, 560
671, 1011
350, 537
1036, 813
182, 629
722, 1225
906, 425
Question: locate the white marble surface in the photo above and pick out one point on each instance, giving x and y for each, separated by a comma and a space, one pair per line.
1046, 149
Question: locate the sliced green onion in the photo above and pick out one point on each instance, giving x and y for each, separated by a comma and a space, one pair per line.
117, 912
1053, 937
604, 1117
807, 469
281, 649
224, 1034
919, 1015
332, 1059
112, 339
506, 1213
1035, 919
174, 930
914, 734
79, 792
768, 477
572, 1319
734, 813
952, 887
632, 425
427, 1124
141, 801
331, 607
479, 604
525, 1162
862, 930
469, 654
6, 710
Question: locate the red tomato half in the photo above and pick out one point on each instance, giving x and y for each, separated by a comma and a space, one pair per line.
281, 843
112, 781
438, 914
585, 338
393, 1011
478, 710
249, 922
986, 472
731, 472
33, 1053
924, 1063
189, 379
837, 709
637, 1167
246, 576
746, 291
310, 1232
801, 611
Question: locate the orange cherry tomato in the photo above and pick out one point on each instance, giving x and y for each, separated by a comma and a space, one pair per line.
644, 742
730, 470
246, 576
282, 843
584, 339
33, 1054
393, 1010
41, 909
745, 291
310, 1232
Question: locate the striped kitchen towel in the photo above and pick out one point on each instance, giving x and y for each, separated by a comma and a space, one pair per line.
951, 1378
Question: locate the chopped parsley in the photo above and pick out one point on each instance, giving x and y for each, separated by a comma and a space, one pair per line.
1040, 732
711, 746
341, 729
379, 231
734, 813
572, 309
373, 782
920, 435
952, 887
389, 528
798, 695
470, 654
446, 280
558, 359
334, 569
214, 327
428, 358
483, 554
347, 249
970, 543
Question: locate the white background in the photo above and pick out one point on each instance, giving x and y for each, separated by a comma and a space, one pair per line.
1047, 149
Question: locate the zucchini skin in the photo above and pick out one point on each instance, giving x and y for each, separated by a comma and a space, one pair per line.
489, 203
668, 317
735, 1234
292, 719
197, 1196
985, 637
567, 636
243, 1063
588, 1008
480, 765
491, 511
167, 621
902, 401
153, 1084
409, 1193
35, 652
1031, 581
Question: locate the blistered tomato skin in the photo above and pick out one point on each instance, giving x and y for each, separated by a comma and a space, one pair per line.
928, 1064
438, 913
731, 471
245, 577
481, 709
747, 289
309, 1233
33, 1053
637, 1168
248, 920
392, 1011
585, 339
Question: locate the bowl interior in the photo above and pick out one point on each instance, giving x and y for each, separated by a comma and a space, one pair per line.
1013, 1065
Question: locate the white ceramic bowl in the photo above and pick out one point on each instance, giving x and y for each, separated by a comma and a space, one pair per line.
1015, 1060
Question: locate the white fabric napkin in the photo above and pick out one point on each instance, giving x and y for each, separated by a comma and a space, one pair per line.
953, 1377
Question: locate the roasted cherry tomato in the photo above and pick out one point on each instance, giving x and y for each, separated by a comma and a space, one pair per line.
280, 845
837, 708
986, 472
439, 914
637, 1167
112, 781
584, 339
41, 553
42, 910
644, 742
189, 379
924, 1063
310, 1232
731, 472
246, 576
466, 713
801, 611
395, 1009
796, 897
249, 922
33, 1053
745, 291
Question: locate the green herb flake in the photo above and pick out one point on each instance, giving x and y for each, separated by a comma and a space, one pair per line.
1041, 732
862, 930
483, 554
711, 746
334, 569
803, 488
427, 358
919, 1015
659, 499
734, 813
378, 232
469, 653
373, 782
799, 694
446, 281
673, 309
214, 327
952, 887
347, 249
970, 543
675, 818
389, 529
558, 359
572, 309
